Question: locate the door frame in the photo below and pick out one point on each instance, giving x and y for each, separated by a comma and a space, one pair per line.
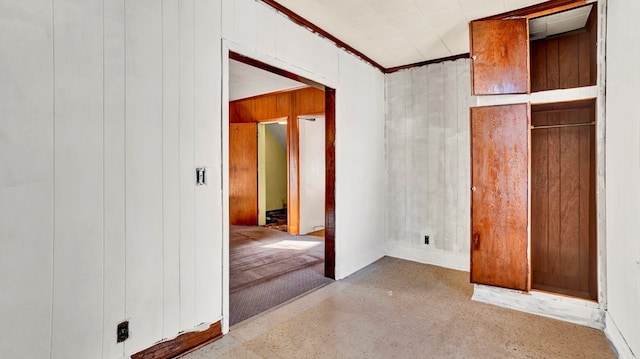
230, 51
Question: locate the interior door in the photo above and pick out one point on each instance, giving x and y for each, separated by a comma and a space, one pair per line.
243, 174
499, 196
500, 56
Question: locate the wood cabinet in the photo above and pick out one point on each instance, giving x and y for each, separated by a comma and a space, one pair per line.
560, 55
499, 57
563, 208
499, 209
533, 196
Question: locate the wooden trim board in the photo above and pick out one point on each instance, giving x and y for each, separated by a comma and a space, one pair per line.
182, 344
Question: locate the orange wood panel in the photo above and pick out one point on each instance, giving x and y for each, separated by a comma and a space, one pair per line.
183, 343
569, 206
584, 59
499, 200
293, 170
243, 174
260, 108
568, 53
538, 66
563, 243
553, 66
500, 56
309, 101
539, 198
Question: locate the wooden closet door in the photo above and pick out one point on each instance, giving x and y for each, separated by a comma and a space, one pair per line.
499, 56
499, 195
243, 174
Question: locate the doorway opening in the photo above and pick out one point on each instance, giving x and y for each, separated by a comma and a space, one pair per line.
272, 175
281, 161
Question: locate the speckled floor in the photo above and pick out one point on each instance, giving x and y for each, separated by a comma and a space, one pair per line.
400, 309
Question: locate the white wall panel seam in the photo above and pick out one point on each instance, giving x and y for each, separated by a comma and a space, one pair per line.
162, 165
103, 189
53, 169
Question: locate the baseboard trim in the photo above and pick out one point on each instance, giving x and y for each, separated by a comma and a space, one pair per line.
432, 256
573, 310
618, 342
182, 344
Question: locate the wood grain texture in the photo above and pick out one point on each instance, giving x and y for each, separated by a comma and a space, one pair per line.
330, 184
293, 171
537, 10
563, 246
279, 105
499, 57
183, 344
243, 174
499, 210
565, 61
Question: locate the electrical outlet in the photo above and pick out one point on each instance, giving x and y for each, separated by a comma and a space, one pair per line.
426, 239
122, 332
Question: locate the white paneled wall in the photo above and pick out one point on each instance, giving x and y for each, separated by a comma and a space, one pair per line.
359, 165
622, 173
78, 178
26, 178
107, 108
428, 163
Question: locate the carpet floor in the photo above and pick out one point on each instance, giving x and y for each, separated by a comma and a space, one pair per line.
269, 267
399, 309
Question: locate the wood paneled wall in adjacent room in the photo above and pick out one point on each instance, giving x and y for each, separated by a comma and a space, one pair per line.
565, 61
274, 106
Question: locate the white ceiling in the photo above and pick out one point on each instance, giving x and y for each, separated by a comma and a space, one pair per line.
402, 32
553, 24
397, 32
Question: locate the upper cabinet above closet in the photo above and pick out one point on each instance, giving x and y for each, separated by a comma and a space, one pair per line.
537, 51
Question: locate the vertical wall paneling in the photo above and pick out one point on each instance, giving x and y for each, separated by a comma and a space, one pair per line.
450, 151
144, 190
170, 168
427, 152
359, 164
78, 255
208, 154
257, 27
394, 133
114, 177
463, 143
26, 178
436, 147
622, 173
565, 61
416, 154
187, 165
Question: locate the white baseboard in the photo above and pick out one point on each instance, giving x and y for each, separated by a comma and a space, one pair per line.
432, 256
573, 310
617, 340
346, 267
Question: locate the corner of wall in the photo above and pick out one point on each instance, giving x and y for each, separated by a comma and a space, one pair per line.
616, 338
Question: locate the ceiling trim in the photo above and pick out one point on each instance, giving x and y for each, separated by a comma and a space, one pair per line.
311, 26
276, 70
428, 62
538, 9
316, 29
